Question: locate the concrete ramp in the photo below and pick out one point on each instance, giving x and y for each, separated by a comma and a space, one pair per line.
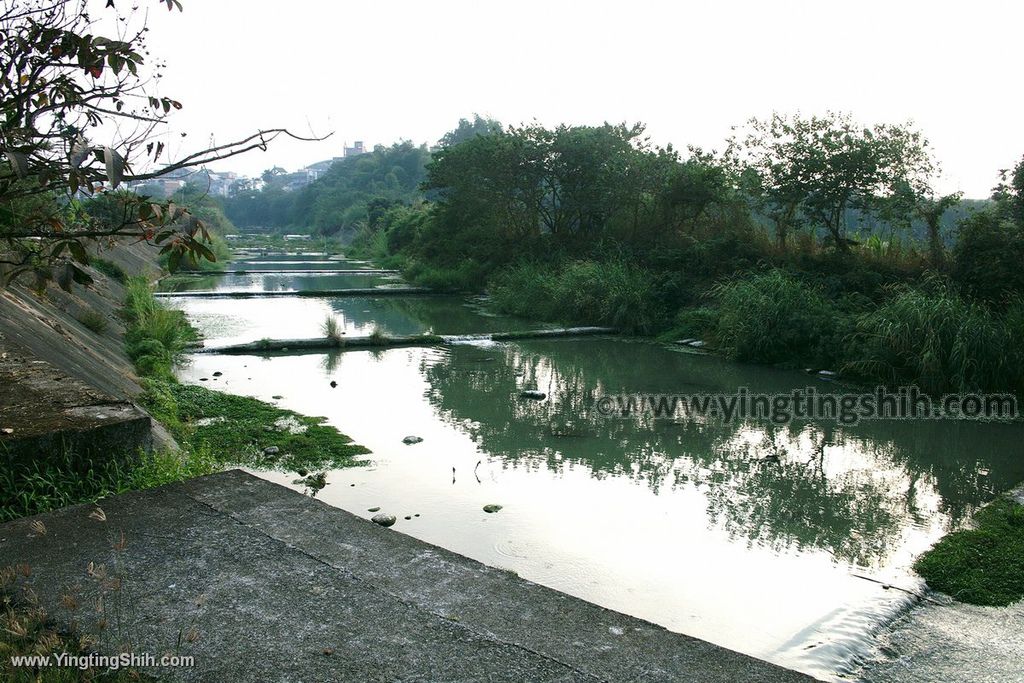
260, 583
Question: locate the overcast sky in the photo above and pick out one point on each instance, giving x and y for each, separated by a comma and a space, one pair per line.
386, 70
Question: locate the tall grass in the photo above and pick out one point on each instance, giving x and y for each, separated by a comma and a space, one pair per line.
609, 292
772, 317
331, 329
156, 336
65, 478
939, 340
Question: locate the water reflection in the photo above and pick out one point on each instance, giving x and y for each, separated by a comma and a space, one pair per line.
850, 491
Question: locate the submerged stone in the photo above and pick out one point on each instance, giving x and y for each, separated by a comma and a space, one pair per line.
492, 507
534, 394
373, 509
409, 440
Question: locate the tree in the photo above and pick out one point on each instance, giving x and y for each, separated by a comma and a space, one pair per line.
931, 210
62, 87
1009, 193
691, 188
989, 250
767, 162
824, 166
467, 130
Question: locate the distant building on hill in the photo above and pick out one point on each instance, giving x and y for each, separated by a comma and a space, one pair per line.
355, 150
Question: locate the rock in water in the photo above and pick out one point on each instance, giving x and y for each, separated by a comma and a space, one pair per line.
409, 440
374, 509
383, 519
333, 384
491, 508
531, 393
218, 373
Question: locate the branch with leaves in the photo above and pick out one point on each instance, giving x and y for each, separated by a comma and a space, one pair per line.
61, 86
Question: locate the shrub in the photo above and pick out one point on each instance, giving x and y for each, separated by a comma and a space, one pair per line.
771, 316
466, 276
698, 323
110, 269
93, 321
609, 292
987, 257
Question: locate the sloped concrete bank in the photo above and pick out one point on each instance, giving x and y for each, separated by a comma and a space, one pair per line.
66, 381
260, 583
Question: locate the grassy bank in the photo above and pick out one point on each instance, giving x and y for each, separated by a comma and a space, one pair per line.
214, 429
889, 332
984, 565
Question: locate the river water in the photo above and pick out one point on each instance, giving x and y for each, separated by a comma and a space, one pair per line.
792, 543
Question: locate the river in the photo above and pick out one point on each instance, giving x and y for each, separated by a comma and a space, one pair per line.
792, 543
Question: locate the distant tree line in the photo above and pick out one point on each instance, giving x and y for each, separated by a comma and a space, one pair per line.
337, 201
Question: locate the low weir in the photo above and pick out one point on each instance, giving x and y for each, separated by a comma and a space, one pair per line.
285, 271
308, 293
322, 344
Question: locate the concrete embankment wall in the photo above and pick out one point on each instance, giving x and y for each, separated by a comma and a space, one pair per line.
62, 384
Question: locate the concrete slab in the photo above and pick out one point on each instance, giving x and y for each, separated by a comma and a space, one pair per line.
258, 582
44, 411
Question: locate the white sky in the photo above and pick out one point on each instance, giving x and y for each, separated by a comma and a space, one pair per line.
390, 69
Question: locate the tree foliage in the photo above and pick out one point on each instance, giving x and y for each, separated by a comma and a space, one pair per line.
80, 116
815, 170
338, 200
